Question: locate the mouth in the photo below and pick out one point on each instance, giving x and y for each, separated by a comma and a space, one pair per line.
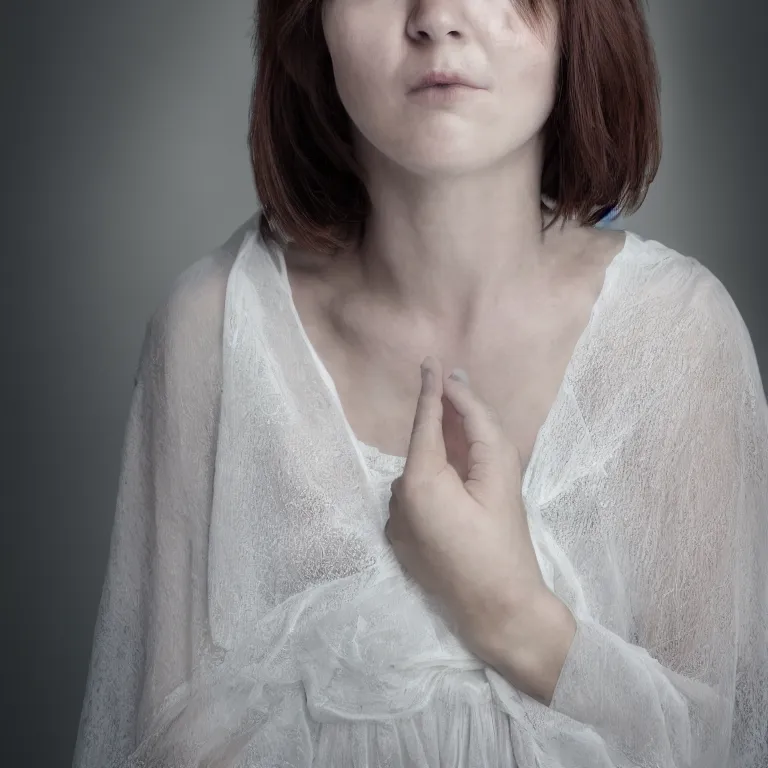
443, 94
444, 86
444, 80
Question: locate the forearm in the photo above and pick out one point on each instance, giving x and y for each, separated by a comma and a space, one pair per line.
530, 645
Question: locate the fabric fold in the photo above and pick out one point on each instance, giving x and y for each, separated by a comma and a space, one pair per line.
253, 613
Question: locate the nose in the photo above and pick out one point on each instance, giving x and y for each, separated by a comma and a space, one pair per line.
435, 20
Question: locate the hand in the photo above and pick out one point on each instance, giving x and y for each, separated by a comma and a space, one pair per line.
457, 522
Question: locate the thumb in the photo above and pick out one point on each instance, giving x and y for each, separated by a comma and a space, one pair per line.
427, 446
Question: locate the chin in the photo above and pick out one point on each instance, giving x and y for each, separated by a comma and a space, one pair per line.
428, 151
446, 158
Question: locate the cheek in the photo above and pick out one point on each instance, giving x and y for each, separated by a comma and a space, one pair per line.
533, 74
527, 70
358, 59
356, 86
524, 60
528, 97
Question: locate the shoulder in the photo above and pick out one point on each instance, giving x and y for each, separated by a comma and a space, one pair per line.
195, 302
690, 286
186, 328
686, 303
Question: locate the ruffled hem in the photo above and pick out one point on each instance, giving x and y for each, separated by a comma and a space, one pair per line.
462, 727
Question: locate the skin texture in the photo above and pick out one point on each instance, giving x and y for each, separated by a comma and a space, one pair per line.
454, 266
452, 181
453, 263
464, 537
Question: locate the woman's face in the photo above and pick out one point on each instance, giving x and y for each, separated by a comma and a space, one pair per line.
381, 48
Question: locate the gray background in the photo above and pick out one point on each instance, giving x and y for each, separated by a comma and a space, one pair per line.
124, 160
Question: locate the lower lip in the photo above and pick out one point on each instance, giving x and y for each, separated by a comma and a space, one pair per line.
442, 94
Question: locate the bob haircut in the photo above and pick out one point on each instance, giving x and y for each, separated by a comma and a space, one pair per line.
602, 141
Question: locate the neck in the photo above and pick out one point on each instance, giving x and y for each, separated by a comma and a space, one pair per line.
446, 250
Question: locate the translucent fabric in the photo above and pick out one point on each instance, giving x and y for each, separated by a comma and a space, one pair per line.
253, 614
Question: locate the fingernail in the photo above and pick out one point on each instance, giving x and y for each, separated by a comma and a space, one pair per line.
426, 374
459, 374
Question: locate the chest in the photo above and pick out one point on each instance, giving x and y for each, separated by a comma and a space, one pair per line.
521, 388
518, 369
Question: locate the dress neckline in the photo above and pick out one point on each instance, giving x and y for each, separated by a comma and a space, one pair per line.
631, 240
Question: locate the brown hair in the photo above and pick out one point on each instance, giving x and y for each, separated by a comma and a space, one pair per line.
602, 141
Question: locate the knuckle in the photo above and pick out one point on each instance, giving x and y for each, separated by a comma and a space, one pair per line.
492, 415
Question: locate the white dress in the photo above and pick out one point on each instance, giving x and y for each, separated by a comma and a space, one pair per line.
253, 615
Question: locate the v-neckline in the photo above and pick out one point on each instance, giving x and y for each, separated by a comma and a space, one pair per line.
630, 240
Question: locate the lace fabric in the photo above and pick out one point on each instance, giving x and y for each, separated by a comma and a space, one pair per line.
254, 616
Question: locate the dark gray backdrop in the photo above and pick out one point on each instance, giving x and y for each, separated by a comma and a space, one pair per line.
122, 128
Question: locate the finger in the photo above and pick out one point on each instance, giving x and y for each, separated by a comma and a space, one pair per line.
481, 421
427, 434
489, 448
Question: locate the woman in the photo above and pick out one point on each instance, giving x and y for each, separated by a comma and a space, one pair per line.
319, 559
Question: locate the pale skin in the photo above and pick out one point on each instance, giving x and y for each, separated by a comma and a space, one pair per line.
454, 266
462, 533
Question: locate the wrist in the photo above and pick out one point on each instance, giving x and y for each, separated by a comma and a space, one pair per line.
531, 644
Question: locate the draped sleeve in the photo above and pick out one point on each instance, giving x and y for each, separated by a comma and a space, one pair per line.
151, 625
691, 688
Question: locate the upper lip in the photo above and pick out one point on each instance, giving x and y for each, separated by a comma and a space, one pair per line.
444, 77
